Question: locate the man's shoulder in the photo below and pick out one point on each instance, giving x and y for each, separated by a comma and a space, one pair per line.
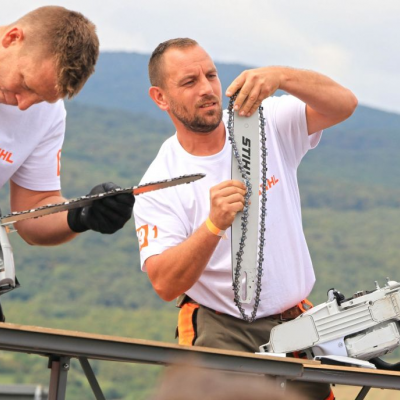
282, 100
167, 149
161, 160
283, 106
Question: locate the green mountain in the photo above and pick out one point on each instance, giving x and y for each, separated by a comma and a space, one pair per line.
351, 210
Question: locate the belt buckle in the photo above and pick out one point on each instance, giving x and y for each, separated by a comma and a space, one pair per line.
281, 318
289, 315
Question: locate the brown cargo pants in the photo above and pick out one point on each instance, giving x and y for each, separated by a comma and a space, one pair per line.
201, 326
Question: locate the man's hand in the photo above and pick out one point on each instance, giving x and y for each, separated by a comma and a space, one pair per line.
106, 216
227, 199
255, 85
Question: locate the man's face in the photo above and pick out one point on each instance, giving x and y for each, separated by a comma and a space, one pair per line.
26, 80
192, 89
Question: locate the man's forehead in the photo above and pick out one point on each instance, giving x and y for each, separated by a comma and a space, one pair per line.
183, 61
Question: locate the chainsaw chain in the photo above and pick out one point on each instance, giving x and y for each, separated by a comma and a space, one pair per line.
245, 214
86, 200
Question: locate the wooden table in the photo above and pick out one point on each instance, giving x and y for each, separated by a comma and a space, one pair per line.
62, 345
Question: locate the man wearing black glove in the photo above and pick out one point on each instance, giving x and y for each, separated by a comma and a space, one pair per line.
45, 56
105, 216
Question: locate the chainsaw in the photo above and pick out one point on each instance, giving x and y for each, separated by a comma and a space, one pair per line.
354, 331
8, 280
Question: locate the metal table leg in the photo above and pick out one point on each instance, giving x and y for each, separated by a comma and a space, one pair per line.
58, 377
91, 378
363, 392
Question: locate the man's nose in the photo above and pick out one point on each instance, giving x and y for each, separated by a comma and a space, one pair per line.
206, 87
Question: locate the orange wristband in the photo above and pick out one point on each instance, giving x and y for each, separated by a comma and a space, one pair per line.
213, 229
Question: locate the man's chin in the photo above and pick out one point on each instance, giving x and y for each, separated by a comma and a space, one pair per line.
201, 122
205, 127
209, 121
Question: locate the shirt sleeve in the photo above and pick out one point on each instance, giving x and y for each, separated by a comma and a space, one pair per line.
160, 222
41, 170
291, 125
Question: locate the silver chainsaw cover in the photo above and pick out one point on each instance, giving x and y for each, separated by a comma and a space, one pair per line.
363, 327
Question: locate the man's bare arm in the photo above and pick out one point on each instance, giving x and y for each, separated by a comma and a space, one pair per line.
48, 230
106, 215
177, 269
328, 103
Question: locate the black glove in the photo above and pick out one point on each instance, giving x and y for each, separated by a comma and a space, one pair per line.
107, 215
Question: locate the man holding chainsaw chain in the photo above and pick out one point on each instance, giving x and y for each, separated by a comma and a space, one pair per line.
182, 231
45, 56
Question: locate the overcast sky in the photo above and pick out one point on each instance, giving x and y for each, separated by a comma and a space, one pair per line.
355, 42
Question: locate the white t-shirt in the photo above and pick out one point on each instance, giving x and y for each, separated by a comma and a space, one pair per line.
167, 217
30, 145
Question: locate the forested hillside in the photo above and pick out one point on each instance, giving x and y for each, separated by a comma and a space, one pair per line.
350, 189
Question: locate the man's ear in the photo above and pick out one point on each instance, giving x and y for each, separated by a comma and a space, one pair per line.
12, 36
158, 96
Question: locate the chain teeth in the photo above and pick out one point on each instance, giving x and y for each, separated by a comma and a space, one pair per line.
239, 254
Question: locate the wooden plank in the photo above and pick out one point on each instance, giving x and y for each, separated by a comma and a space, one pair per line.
338, 368
147, 343
351, 376
47, 341
194, 349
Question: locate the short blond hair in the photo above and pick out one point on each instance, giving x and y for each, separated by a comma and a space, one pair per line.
67, 36
156, 70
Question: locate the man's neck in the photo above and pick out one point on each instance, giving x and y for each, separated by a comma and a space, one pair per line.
202, 144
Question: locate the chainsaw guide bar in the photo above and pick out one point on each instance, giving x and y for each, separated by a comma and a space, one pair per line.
89, 199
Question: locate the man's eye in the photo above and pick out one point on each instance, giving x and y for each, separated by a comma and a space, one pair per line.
188, 83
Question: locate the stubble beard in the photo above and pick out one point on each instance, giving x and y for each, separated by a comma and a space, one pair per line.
197, 123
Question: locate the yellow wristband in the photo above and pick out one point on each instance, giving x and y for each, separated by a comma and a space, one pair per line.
213, 229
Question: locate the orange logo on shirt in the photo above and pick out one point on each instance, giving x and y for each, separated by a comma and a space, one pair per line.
143, 235
270, 182
6, 156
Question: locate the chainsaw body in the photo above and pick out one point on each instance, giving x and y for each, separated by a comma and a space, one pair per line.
8, 280
363, 327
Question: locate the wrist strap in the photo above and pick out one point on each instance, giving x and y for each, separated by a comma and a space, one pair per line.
213, 229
